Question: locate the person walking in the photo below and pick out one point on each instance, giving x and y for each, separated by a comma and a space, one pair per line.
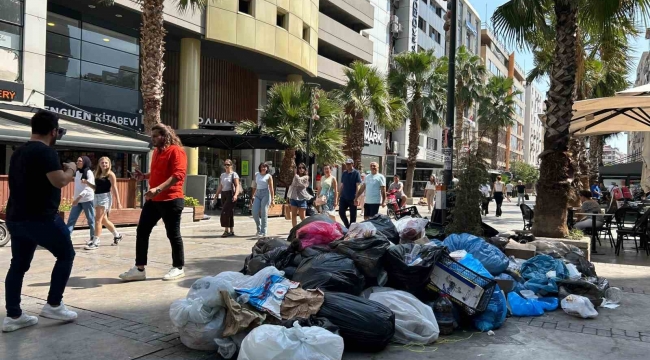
510, 189
105, 180
430, 192
350, 180
84, 197
375, 188
497, 193
229, 190
298, 195
327, 188
521, 193
398, 188
262, 198
35, 182
485, 204
164, 200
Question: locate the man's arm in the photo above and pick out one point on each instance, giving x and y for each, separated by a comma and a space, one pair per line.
60, 178
383, 196
360, 191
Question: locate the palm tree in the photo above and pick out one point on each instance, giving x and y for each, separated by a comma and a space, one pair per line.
525, 20
285, 117
364, 94
496, 111
420, 79
470, 81
152, 50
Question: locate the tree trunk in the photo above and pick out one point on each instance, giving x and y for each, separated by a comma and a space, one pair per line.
595, 143
414, 141
495, 149
152, 48
354, 141
287, 169
458, 132
556, 170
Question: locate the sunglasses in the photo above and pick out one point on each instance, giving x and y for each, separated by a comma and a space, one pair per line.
60, 132
301, 167
228, 164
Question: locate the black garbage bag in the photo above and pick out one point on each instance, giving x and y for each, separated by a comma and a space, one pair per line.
583, 265
280, 257
289, 272
309, 220
415, 277
262, 246
367, 253
385, 225
330, 272
592, 288
488, 231
313, 320
364, 325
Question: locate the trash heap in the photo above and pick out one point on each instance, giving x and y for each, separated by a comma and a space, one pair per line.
326, 288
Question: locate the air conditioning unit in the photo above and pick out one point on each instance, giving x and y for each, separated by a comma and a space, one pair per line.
395, 28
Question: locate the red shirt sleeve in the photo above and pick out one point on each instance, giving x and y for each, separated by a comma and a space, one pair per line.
179, 161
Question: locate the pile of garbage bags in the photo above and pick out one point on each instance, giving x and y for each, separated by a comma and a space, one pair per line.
326, 288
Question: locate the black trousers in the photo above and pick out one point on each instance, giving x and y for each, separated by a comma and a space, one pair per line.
344, 205
498, 198
170, 213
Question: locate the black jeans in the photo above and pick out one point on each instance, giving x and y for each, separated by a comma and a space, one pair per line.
498, 198
170, 213
345, 205
54, 236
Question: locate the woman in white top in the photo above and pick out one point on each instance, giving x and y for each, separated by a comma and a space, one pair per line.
430, 191
262, 198
498, 189
84, 197
229, 189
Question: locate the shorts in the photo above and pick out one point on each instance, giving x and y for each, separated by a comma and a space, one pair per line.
104, 200
370, 210
300, 204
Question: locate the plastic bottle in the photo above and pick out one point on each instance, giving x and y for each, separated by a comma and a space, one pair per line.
442, 309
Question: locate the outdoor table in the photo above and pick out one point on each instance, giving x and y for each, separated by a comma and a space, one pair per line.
594, 231
570, 214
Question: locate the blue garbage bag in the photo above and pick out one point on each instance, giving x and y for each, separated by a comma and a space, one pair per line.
518, 286
534, 271
521, 306
495, 314
489, 255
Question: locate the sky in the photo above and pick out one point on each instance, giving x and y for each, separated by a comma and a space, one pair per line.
524, 58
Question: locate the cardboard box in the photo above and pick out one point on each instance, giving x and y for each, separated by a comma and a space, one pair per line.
520, 251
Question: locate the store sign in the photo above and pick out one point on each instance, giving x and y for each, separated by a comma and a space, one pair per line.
208, 121
414, 27
447, 154
372, 133
132, 121
11, 91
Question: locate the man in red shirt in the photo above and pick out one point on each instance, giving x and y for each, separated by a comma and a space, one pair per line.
163, 200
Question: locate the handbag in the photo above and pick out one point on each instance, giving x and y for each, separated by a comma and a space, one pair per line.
526, 197
321, 200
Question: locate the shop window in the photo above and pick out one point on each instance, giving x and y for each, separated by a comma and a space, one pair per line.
11, 29
63, 25
62, 65
109, 75
246, 7
282, 20
110, 39
63, 45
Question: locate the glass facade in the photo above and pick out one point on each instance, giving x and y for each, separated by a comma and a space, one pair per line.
11, 42
87, 65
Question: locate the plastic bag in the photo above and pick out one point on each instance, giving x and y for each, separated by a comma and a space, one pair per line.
365, 325
385, 225
555, 249
498, 241
534, 271
330, 272
592, 288
257, 280
489, 255
183, 310
207, 288
262, 246
313, 320
268, 297
409, 266
229, 346
414, 321
201, 336
280, 257
574, 274
360, 230
319, 233
320, 217
365, 252
411, 229
272, 342
582, 265
530, 307
580, 306
495, 314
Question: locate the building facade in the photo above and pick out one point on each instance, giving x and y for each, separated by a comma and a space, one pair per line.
533, 127
499, 61
611, 154
635, 139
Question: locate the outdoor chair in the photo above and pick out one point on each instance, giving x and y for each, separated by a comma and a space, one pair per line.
629, 223
528, 214
606, 230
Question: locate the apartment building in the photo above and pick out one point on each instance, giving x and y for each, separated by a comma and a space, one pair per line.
611, 154
533, 127
635, 139
499, 61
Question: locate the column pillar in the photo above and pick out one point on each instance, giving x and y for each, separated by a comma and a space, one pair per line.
188, 95
294, 78
34, 33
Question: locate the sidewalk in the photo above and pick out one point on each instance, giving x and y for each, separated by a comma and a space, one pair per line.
131, 320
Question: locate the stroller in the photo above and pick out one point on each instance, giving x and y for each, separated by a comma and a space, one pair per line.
4, 233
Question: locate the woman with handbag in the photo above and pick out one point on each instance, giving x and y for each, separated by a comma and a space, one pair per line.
298, 195
328, 193
229, 189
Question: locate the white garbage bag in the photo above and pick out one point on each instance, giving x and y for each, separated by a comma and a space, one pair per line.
580, 306
183, 310
414, 321
257, 280
229, 346
201, 336
272, 342
208, 289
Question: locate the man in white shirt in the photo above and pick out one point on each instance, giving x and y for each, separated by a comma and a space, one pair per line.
375, 189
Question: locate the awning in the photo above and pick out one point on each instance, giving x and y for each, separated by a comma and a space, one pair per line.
610, 115
81, 134
226, 139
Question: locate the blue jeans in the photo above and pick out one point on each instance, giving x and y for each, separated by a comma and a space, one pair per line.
261, 209
88, 208
25, 236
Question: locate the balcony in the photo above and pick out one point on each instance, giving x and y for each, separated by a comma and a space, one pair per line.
436, 156
340, 43
355, 14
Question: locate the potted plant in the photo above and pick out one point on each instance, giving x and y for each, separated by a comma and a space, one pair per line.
64, 209
277, 210
197, 209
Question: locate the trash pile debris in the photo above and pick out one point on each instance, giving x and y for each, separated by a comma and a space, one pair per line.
327, 288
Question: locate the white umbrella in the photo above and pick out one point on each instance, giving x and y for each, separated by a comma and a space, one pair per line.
610, 115
635, 91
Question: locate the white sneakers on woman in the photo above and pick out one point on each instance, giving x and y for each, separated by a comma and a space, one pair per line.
60, 312
136, 275
173, 274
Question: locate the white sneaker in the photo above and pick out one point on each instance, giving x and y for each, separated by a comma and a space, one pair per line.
24, 320
58, 313
134, 274
174, 273
89, 242
93, 245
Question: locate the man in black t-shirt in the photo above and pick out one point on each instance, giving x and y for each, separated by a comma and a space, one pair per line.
521, 193
35, 182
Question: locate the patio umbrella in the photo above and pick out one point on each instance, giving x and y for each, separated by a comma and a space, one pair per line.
226, 139
611, 115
